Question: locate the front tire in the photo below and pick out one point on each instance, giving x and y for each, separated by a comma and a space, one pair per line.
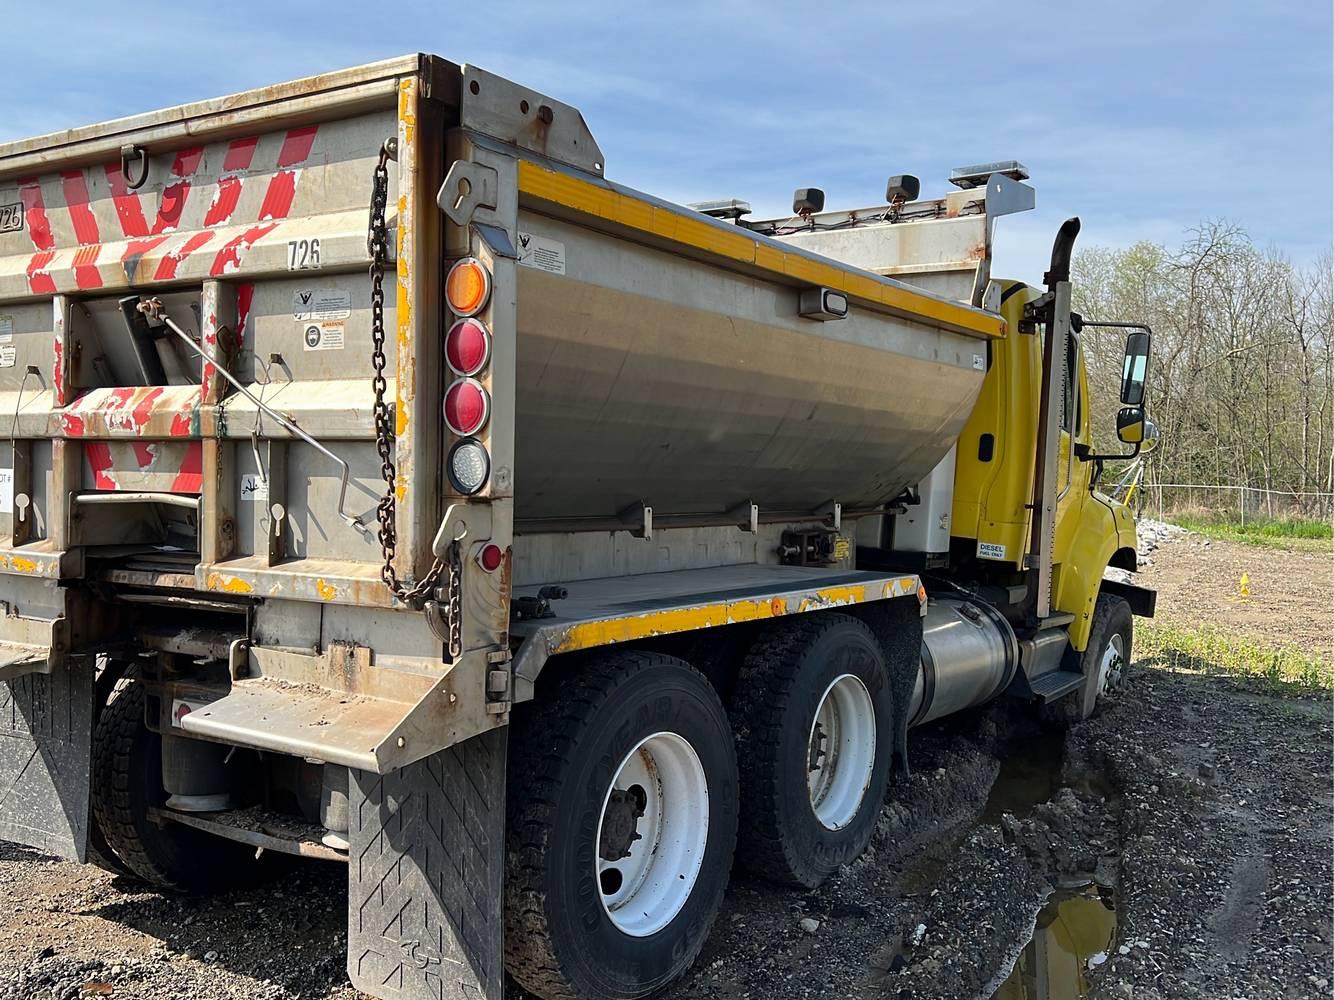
814, 715
1107, 656
621, 828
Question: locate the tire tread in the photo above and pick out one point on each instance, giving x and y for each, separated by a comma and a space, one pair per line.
539, 754
763, 687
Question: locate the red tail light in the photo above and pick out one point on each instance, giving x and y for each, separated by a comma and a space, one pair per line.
467, 347
467, 407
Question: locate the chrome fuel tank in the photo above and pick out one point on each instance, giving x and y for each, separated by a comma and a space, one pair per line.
969, 656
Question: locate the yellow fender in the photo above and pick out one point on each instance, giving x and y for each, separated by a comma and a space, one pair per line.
1099, 531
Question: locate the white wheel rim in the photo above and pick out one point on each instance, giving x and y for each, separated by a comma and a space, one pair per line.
841, 752
644, 890
1112, 663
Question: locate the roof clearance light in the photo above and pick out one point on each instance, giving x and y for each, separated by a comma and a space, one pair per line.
469, 467
468, 286
467, 407
467, 347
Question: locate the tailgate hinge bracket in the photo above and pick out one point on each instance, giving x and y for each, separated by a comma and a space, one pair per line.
468, 186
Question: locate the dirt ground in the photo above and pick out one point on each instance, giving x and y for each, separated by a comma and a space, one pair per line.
1203, 808
1290, 599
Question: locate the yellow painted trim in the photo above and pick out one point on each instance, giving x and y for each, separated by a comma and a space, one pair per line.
600, 202
669, 621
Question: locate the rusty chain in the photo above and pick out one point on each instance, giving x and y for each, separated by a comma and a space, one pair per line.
377, 244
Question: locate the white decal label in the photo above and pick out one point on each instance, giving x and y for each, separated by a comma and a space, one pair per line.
541, 253
990, 550
303, 255
326, 335
321, 303
8, 355
980, 362
6, 329
180, 709
6, 491
254, 488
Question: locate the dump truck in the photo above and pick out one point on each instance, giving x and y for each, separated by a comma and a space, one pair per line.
385, 485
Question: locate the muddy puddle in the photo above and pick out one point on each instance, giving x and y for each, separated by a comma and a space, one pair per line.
1075, 933
1029, 776
1075, 930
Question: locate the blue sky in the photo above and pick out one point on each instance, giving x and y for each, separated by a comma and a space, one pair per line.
1143, 118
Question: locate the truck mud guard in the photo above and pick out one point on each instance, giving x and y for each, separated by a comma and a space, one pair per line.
46, 727
426, 910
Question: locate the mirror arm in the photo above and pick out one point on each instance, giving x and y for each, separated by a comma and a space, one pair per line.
1091, 457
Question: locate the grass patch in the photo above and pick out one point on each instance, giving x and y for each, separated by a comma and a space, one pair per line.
1208, 649
1297, 533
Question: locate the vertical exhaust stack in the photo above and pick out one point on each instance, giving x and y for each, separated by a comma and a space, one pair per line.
1053, 310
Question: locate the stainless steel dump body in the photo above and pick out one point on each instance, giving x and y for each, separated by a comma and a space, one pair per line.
648, 376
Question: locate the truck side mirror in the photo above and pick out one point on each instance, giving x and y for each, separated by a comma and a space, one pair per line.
1151, 436
1134, 372
1131, 425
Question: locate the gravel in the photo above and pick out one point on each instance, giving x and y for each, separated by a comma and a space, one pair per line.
1207, 807
1149, 535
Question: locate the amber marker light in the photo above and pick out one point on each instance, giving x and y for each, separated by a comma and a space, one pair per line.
467, 287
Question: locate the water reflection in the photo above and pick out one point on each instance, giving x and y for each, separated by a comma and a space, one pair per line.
1075, 933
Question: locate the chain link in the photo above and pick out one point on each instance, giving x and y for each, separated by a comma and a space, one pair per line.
377, 243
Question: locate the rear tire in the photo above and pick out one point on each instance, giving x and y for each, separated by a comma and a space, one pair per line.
626, 767
813, 770
127, 783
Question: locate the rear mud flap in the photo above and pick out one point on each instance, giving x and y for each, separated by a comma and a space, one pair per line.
46, 729
425, 880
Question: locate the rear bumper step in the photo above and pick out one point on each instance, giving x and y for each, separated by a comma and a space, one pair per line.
300, 719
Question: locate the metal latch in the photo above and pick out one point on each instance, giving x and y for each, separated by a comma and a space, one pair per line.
129, 154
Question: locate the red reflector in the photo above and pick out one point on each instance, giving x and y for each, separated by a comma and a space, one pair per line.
467, 346
466, 406
490, 557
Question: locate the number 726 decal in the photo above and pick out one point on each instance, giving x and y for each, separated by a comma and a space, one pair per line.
303, 255
11, 217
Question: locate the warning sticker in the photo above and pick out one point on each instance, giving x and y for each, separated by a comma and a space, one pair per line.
254, 488
315, 304
979, 362
8, 355
6, 491
990, 550
6, 329
541, 253
326, 335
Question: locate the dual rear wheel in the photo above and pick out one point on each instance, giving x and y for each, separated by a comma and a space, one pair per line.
629, 784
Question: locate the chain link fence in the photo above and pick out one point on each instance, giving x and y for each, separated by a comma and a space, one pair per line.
1245, 503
